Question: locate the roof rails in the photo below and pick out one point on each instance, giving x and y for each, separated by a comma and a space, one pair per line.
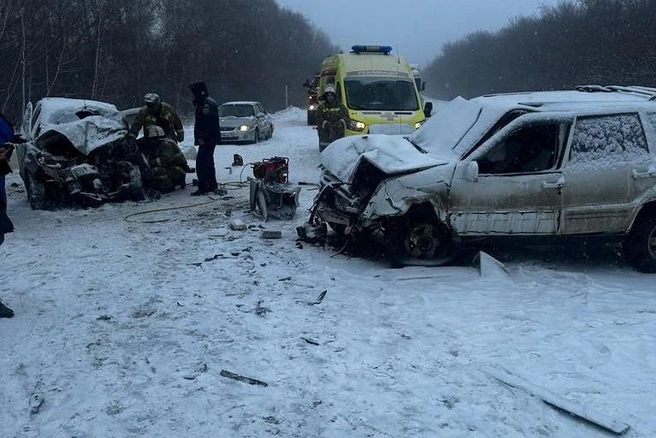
634, 89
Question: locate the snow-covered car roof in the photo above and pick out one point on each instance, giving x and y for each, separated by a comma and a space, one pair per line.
456, 125
87, 124
52, 108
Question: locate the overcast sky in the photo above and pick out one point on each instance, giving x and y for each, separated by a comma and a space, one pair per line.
417, 28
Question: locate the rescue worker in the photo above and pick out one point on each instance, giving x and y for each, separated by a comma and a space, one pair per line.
331, 117
159, 113
168, 166
207, 133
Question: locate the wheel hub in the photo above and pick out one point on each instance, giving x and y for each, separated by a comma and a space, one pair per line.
423, 241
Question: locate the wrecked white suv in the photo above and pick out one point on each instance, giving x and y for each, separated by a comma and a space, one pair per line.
525, 166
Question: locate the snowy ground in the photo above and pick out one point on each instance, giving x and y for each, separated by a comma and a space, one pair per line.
124, 323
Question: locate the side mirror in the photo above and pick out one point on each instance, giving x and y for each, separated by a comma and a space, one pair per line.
466, 170
471, 171
428, 109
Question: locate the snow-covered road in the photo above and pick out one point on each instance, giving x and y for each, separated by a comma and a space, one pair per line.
124, 322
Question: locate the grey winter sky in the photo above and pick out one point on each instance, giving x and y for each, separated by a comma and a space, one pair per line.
417, 28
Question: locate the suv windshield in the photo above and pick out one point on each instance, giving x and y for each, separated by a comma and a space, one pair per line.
236, 111
372, 93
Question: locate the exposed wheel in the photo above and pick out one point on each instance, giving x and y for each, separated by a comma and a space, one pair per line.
425, 242
640, 246
36, 192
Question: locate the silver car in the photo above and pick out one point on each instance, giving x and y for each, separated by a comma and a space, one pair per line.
76, 153
531, 167
245, 121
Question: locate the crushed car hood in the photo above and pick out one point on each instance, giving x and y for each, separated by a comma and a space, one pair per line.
88, 134
390, 154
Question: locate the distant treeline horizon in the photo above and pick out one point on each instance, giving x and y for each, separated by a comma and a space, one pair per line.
118, 50
577, 42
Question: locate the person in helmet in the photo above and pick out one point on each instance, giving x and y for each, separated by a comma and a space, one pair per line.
156, 112
331, 117
168, 166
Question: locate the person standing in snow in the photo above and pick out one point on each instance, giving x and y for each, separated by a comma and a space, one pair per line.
158, 113
331, 117
6, 226
207, 133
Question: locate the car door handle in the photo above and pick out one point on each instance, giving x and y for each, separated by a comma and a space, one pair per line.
555, 185
635, 174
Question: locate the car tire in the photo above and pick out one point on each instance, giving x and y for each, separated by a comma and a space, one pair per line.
36, 192
640, 246
311, 118
270, 132
421, 241
256, 136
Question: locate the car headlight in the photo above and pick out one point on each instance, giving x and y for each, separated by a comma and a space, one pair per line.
312, 107
244, 128
418, 124
354, 125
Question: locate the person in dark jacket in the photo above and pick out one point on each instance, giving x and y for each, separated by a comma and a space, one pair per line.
6, 226
207, 133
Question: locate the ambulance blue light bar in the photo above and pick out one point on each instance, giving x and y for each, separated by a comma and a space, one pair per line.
371, 49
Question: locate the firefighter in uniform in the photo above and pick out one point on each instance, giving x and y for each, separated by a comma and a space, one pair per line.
331, 117
159, 113
168, 166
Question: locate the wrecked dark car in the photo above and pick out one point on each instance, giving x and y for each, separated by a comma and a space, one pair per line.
527, 167
76, 153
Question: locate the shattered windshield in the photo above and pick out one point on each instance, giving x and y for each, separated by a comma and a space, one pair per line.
372, 93
74, 113
236, 111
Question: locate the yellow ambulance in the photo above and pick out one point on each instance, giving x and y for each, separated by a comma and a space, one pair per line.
378, 89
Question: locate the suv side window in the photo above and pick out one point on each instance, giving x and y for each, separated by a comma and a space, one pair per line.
608, 139
527, 150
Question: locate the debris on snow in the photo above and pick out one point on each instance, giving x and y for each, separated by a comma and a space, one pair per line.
559, 402
271, 234
489, 266
319, 299
244, 379
238, 225
310, 341
261, 310
35, 403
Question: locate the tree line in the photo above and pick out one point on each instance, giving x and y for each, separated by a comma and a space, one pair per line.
572, 43
118, 50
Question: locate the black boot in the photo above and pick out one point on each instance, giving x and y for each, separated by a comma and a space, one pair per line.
5, 312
